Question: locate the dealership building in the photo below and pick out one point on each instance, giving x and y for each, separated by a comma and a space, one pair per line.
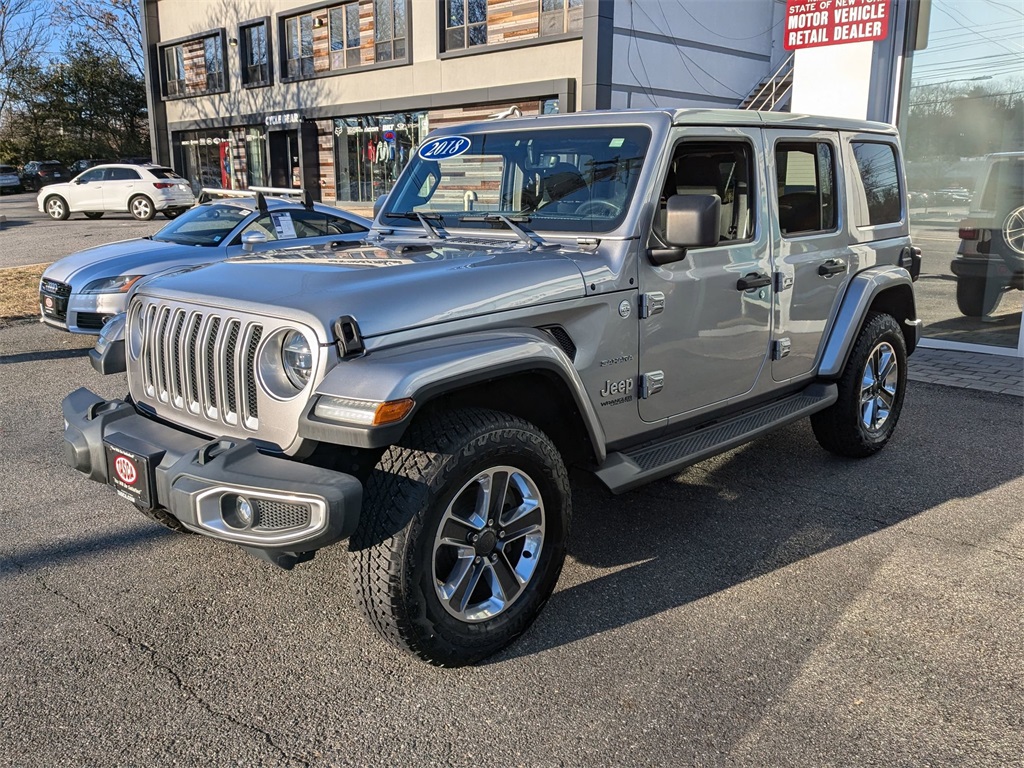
335, 96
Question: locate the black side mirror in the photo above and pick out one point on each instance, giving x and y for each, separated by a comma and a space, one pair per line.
691, 221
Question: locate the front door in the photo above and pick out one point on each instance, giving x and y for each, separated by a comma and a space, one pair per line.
87, 194
284, 159
812, 254
711, 338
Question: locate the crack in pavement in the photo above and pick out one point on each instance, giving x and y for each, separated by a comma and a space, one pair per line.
151, 653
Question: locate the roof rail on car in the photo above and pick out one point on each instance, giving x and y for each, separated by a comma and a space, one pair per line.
279, 191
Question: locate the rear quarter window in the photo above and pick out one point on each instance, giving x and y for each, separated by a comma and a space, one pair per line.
879, 178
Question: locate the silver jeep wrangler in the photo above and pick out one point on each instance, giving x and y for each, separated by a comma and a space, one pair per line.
627, 292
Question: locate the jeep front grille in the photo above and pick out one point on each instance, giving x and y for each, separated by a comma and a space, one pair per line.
200, 362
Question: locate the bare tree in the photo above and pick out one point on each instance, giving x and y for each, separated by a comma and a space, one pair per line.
113, 26
24, 34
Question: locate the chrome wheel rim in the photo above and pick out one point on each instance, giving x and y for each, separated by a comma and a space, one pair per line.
55, 208
488, 544
1013, 230
878, 387
140, 208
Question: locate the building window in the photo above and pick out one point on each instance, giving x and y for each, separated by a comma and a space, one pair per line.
389, 27
560, 16
465, 24
299, 45
213, 52
174, 71
255, 57
194, 67
344, 21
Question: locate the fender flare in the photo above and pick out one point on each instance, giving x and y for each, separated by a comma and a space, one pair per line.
861, 293
424, 370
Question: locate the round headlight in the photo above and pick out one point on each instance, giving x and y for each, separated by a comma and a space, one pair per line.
297, 359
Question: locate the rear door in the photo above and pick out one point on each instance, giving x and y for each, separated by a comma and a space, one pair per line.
813, 260
119, 184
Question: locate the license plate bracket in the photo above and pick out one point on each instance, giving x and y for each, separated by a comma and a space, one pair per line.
54, 306
130, 468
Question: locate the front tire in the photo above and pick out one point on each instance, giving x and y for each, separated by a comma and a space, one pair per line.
463, 535
871, 392
141, 207
56, 208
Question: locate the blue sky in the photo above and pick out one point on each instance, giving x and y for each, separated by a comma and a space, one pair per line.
973, 39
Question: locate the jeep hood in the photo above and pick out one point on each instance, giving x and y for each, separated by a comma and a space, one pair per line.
385, 288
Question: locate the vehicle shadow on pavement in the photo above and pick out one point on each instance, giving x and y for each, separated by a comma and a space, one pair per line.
759, 509
48, 556
50, 354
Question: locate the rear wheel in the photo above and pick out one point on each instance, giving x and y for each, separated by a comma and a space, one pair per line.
462, 536
94, 214
56, 208
141, 207
974, 298
870, 392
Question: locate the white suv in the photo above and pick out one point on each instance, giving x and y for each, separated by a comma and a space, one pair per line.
141, 190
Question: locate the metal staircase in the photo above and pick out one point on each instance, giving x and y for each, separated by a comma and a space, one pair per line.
773, 93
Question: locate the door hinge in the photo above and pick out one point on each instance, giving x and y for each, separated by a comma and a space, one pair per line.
651, 383
652, 304
780, 348
782, 282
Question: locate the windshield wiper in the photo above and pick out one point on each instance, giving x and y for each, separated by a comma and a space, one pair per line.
531, 240
424, 219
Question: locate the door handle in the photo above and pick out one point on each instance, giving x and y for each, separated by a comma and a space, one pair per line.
832, 267
753, 280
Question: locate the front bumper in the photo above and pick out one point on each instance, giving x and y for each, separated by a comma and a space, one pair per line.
80, 312
297, 508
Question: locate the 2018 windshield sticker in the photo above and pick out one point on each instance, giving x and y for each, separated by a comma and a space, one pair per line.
444, 147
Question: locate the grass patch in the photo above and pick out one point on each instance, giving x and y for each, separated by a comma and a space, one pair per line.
19, 291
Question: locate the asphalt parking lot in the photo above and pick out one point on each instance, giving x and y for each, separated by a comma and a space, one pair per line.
774, 606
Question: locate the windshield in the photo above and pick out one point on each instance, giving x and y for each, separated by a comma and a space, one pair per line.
203, 225
559, 179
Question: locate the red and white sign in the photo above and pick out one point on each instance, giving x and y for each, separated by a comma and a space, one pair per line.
125, 470
811, 23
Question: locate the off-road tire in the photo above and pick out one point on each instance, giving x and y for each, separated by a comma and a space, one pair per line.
972, 298
839, 428
142, 208
94, 214
405, 501
56, 208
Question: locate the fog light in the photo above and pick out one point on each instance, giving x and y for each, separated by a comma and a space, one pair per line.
236, 511
244, 509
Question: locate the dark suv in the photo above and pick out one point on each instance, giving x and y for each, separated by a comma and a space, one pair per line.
990, 260
38, 173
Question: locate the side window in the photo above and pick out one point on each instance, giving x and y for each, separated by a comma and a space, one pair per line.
121, 174
876, 163
805, 185
715, 168
339, 226
89, 176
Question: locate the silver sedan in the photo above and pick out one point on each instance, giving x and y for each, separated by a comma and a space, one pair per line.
81, 292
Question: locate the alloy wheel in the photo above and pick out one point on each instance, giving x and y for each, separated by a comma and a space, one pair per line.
488, 544
879, 383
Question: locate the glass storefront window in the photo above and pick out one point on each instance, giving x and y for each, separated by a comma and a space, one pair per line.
963, 136
371, 150
227, 158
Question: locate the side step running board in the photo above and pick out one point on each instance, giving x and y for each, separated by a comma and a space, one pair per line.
628, 469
